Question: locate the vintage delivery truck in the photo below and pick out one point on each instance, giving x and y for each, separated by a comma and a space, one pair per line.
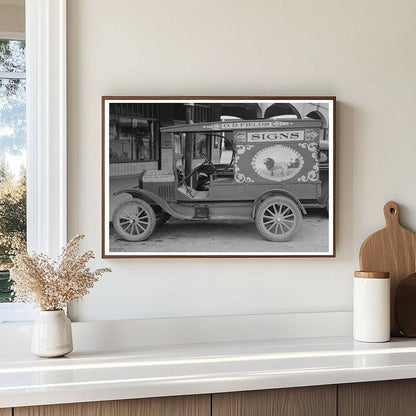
276, 169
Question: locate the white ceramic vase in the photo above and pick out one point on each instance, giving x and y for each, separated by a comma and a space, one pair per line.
52, 334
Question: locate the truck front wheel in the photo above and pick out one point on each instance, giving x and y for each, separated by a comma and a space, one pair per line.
278, 218
134, 220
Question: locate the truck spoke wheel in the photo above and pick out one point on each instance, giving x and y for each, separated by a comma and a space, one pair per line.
134, 220
278, 218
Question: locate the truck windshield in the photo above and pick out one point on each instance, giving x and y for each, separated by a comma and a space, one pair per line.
218, 147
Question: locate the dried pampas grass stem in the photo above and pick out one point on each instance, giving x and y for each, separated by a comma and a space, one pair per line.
53, 285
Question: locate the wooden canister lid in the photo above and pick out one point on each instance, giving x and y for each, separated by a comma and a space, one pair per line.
372, 275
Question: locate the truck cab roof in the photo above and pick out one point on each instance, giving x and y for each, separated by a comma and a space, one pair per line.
231, 125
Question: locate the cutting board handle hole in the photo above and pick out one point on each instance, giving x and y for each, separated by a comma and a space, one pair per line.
391, 213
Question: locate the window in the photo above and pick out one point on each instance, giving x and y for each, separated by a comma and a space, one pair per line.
12, 155
200, 145
131, 139
132, 132
46, 108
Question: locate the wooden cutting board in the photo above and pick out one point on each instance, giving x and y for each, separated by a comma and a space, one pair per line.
393, 250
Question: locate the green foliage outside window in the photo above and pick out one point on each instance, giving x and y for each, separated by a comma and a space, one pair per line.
12, 223
12, 147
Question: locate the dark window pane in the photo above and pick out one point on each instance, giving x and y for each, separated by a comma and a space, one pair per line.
200, 145
131, 139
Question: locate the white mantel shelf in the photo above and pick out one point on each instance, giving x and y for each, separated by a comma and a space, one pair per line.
151, 371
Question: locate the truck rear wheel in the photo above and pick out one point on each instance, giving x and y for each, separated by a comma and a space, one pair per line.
134, 220
278, 218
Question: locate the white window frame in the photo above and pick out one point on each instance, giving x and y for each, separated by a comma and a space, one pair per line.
46, 127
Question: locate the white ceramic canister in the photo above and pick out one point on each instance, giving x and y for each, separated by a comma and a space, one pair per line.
371, 307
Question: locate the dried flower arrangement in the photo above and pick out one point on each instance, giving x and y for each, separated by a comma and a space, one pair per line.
53, 285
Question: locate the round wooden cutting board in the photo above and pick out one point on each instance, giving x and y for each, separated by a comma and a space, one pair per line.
393, 250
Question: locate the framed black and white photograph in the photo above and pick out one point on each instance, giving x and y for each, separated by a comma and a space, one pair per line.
218, 176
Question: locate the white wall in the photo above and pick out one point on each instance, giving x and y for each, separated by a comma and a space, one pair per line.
361, 51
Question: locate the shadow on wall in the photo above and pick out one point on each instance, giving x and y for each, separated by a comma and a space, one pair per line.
345, 174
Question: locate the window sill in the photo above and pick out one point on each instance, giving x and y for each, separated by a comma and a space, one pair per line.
16, 313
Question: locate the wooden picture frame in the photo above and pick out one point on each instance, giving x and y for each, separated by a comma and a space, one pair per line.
214, 176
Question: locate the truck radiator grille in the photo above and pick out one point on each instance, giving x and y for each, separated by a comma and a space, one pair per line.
167, 192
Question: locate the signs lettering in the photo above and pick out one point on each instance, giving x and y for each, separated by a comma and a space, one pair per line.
275, 136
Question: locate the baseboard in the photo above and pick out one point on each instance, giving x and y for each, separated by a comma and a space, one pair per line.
169, 331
